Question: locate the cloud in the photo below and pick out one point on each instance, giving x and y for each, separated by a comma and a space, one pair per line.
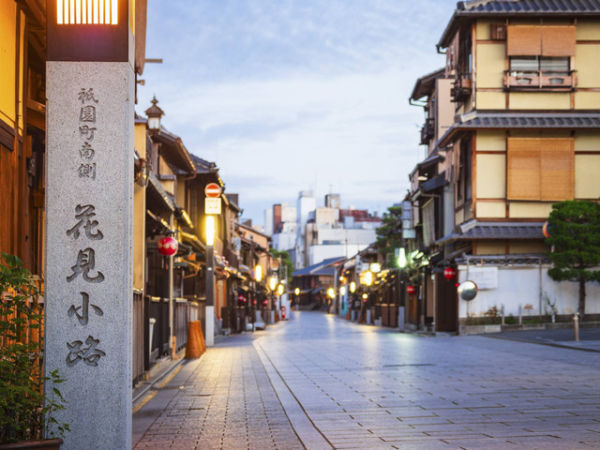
288, 95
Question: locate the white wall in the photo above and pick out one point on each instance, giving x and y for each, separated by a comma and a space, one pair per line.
284, 241
318, 253
520, 285
269, 221
350, 236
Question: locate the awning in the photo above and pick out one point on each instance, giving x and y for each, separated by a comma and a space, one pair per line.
474, 230
193, 240
476, 120
158, 193
435, 183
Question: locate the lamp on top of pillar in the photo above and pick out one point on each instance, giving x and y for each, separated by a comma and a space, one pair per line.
154, 114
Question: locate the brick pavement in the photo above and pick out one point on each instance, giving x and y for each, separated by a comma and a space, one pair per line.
338, 384
222, 401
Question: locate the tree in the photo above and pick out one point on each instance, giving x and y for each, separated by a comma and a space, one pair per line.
285, 260
574, 228
389, 237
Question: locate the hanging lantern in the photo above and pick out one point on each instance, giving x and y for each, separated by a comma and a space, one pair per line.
167, 246
410, 289
546, 230
449, 273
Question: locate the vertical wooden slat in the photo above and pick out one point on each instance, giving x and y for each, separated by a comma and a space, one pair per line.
523, 166
557, 169
558, 40
523, 40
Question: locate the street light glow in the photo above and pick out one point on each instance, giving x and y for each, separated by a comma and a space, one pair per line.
352, 287
343, 290
331, 292
258, 273
280, 289
272, 282
297, 291
402, 258
87, 12
210, 230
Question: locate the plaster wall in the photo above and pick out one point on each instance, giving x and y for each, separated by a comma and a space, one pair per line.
490, 100
491, 65
529, 210
493, 209
539, 100
519, 286
491, 176
586, 64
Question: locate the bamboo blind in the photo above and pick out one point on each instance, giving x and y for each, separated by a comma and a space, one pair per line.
523, 169
547, 40
540, 169
523, 40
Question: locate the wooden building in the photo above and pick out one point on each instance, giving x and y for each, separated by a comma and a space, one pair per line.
524, 91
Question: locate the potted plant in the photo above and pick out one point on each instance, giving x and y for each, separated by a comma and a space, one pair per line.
26, 409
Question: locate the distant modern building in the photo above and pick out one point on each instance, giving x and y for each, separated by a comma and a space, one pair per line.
312, 234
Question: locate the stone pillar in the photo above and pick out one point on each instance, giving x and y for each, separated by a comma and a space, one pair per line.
89, 229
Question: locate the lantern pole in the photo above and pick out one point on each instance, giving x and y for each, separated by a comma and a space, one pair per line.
209, 313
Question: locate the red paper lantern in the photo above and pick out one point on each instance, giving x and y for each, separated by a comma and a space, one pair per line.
546, 230
410, 289
167, 246
449, 273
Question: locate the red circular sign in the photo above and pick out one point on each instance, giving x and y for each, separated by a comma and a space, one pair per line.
167, 246
212, 190
449, 273
410, 289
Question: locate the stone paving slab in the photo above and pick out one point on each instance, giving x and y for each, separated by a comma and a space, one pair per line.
320, 382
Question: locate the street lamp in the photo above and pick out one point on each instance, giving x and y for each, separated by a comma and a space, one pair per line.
273, 282
297, 291
343, 291
209, 231
258, 273
280, 290
402, 262
154, 114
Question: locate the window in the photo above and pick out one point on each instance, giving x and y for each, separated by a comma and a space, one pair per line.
540, 57
540, 169
464, 190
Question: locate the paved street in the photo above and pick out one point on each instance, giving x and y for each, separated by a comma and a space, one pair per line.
321, 382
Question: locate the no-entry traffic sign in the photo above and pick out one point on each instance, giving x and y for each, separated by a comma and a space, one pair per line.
212, 190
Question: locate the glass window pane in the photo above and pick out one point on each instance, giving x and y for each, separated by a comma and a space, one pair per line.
524, 64
560, 65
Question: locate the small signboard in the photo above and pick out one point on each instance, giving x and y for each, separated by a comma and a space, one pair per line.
212, 190
212, 205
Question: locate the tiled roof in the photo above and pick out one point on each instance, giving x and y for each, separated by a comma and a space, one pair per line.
477, 120
516, 8
530, 6
319, 268
496, 230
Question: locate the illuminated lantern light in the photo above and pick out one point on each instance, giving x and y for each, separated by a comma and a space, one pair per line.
410, 289
546, 230
280, 289
449, 273
168, 246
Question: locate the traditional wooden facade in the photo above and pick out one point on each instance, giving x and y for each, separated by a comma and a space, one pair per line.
525, 134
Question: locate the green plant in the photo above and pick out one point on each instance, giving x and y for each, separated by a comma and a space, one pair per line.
574, 228
510, 320
24, 411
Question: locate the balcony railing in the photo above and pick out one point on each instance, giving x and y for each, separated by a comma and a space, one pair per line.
462, 88
427, 131
538, 80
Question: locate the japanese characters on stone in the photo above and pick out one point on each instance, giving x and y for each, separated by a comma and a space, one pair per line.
87, 229
87, 131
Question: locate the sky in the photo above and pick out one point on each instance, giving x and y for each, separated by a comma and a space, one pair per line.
291, 95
